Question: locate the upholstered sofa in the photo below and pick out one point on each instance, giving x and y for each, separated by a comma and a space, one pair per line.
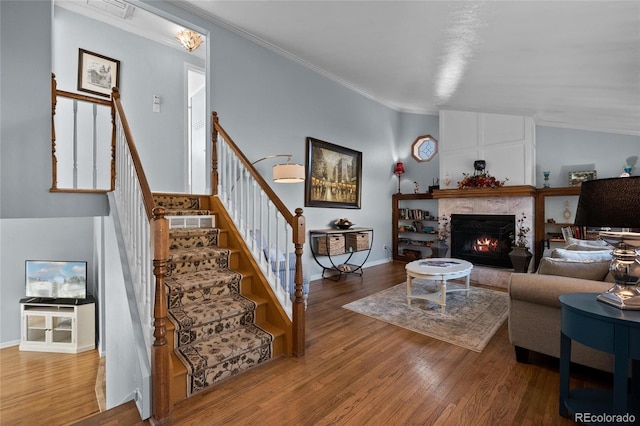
534, 311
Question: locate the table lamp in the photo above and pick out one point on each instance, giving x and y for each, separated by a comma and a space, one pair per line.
398, 170
614, 203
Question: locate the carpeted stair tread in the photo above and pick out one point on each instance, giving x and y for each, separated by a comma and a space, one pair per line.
228, 368
193, 237
197, 253
216, 349
177, 202
196, 287
209, 311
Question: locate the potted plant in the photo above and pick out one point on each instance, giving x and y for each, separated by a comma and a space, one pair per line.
439, 248
520, 255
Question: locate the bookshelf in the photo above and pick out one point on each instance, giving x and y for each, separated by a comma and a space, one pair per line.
414, 225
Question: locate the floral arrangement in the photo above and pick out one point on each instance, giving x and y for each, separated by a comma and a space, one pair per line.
343, 223
480, 180
444, 228
522, 232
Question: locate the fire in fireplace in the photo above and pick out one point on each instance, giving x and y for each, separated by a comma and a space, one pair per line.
482, 239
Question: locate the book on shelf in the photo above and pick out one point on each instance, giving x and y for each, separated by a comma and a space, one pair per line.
414, 214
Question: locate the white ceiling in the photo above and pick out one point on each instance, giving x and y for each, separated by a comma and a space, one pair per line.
567, 63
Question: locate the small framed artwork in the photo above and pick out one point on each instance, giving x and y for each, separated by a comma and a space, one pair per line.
576, 178
97, 74
334, 175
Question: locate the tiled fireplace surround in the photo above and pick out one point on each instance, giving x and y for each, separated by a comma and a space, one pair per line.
472, 202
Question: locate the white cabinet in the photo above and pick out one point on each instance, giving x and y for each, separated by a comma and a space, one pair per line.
57, 328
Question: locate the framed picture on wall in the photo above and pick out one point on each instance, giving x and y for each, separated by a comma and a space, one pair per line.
576, 178
334, 175
97, 74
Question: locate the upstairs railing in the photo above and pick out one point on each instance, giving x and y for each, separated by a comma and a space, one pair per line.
82, 150
270, 230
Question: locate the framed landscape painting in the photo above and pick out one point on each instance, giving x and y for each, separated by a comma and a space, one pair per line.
576, 178
334, 175
97, 74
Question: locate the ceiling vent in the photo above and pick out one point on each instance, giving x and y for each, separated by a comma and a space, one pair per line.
117, 8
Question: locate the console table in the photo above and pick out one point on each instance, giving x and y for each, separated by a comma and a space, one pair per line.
609, 329
345, 266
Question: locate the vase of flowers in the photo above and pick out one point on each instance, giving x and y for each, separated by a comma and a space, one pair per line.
440, 248
480, 180
520, 255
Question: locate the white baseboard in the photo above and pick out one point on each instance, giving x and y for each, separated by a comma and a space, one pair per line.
9, 344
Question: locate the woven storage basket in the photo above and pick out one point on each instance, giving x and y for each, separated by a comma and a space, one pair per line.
357, 241
335, 244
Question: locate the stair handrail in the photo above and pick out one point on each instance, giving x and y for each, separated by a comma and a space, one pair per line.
296, 221
155, 232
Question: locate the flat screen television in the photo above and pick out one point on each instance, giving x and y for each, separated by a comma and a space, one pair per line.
56, 279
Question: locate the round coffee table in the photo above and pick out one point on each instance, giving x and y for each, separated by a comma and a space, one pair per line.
439, 270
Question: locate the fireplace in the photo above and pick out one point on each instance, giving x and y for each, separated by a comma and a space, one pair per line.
482, 239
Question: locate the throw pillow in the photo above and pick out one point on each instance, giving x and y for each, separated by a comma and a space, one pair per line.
598, 244
593, 255
588, 270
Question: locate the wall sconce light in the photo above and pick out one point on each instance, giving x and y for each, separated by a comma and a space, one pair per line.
399, 170
191, 40
286, 172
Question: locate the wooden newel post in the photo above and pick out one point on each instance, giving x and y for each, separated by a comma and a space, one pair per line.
214, 153
299, 319
161, 353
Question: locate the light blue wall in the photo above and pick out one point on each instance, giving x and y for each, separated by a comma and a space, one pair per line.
25, 131
147, 68
560, 151
39, 239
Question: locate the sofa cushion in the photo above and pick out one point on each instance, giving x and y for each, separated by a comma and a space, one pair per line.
593, 255
589, 270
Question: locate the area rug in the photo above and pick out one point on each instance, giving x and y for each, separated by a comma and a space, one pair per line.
469, 322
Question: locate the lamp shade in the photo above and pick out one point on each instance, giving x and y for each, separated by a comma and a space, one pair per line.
399, 169
288, 173
610, 202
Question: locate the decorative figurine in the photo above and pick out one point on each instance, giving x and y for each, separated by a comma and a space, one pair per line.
416, 188
567, 211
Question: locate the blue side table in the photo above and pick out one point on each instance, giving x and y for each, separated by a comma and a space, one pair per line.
609, 329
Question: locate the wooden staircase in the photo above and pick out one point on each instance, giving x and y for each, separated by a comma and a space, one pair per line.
222, 318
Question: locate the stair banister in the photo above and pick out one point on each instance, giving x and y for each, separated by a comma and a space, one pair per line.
223, 172
148, 230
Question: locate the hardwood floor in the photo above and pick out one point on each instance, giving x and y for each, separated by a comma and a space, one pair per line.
42, 388
356, 371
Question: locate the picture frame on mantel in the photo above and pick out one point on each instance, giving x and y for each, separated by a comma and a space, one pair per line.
576, 178
334, 175
97, 74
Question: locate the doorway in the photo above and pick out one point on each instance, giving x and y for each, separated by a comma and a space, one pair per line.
196, 127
